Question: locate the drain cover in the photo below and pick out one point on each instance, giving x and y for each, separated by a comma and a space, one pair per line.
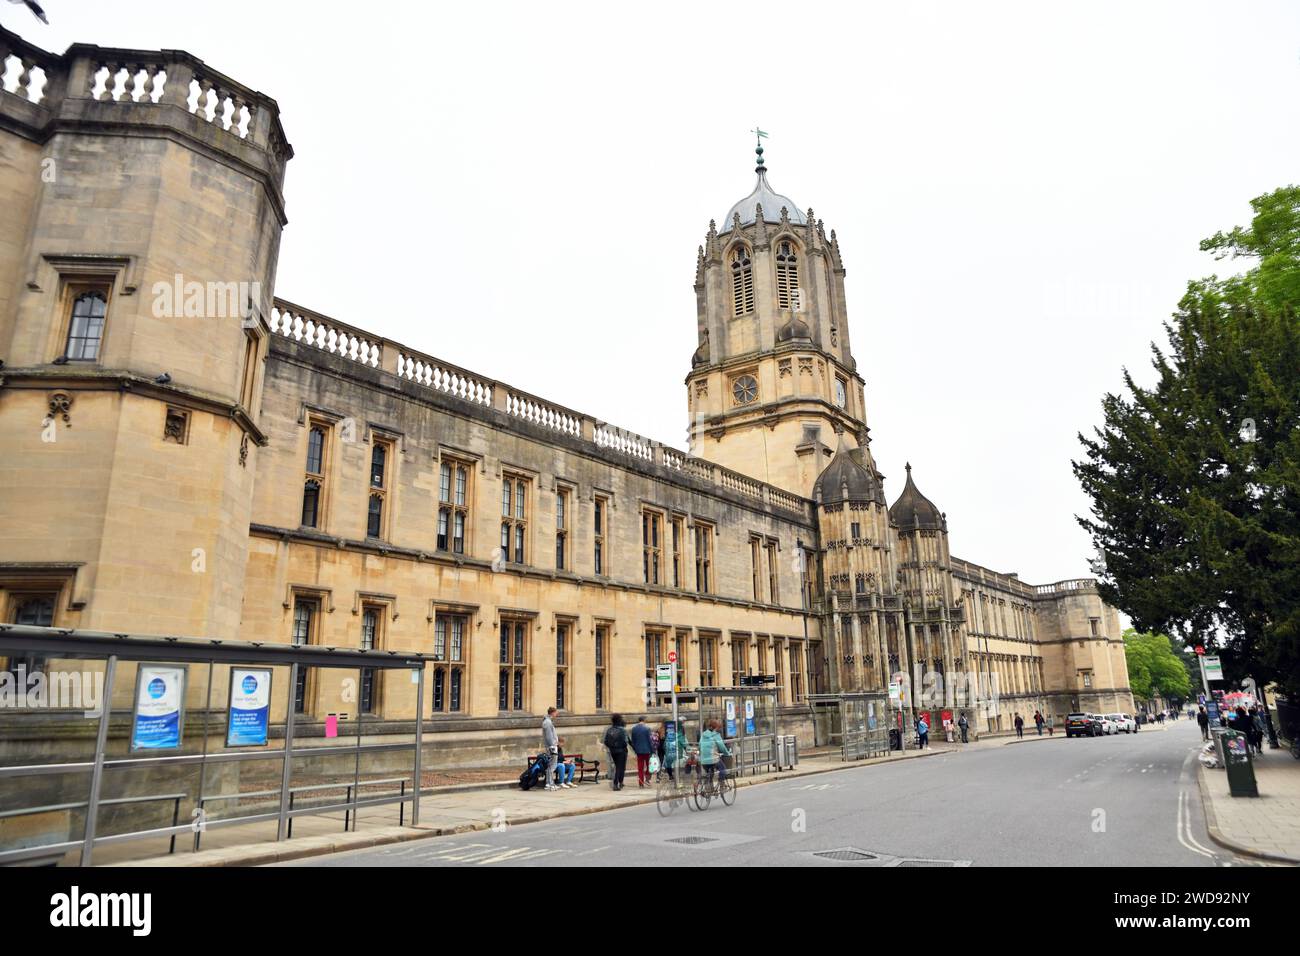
928, 863
693, 840
846, 855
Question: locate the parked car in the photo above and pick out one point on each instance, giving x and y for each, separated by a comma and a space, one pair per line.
1123, 723
1105, 723
1081, 725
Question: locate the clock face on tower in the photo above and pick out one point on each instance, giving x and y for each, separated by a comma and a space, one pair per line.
744, 389
841, 398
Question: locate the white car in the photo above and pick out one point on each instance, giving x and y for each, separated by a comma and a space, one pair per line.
1123, 723
1106, 724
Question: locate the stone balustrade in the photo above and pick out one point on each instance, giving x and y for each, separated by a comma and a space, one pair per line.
306, 327
120, 87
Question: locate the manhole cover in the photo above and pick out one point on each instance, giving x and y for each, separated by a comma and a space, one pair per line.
847, 855
693, 840
927, 862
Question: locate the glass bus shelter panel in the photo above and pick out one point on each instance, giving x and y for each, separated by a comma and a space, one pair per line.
245, 772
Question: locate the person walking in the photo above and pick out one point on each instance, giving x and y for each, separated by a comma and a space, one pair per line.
922, 732
1038, 721
616, 744
643, 745
1203, 721
1257, 721
964, 726
550, 750
1020, 726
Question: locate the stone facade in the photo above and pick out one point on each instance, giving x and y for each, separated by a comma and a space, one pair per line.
266, 473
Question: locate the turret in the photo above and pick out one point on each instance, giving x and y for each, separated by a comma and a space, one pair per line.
772, 378
142, 215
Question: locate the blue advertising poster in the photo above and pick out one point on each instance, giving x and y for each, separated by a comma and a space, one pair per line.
250, 707
749, 716
731, 718
159, 707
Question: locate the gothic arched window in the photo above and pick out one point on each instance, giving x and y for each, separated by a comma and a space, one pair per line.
787, 277
742, 282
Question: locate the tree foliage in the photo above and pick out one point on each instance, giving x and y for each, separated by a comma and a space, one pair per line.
1195, 481
1155, 668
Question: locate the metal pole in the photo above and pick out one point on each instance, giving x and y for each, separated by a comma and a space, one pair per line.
97, 775
356, 773
288, 752
677, 732
419, 742
203, 764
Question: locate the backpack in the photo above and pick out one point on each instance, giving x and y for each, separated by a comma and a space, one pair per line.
529, 778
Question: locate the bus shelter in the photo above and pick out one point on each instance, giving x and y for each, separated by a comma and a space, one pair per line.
747, 717
120, 738
858, 724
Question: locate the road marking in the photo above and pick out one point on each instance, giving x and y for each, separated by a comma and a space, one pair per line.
1184, 826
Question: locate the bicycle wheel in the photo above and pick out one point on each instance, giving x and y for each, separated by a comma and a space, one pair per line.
667, 797
700, 792
727, 789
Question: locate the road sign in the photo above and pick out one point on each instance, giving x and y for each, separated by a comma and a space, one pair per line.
672, 657
664, 677
1200, 650
1213, 669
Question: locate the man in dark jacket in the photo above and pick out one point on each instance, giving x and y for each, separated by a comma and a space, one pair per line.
964, 724
643, 746
1203, 721
616, 744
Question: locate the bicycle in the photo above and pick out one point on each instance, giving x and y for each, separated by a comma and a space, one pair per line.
671, 793
710, 784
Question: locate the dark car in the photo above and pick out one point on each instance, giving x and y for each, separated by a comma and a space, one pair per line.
1081, 725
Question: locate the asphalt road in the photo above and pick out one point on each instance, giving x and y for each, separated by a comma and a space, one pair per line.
1126, 800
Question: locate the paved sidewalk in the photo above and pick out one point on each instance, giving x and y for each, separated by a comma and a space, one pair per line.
1267, 826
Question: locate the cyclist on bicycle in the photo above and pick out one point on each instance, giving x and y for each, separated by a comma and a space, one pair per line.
712, 748
676, 750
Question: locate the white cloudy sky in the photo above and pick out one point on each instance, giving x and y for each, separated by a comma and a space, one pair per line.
1018, 189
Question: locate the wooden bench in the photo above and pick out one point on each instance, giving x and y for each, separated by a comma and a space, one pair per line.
582, 768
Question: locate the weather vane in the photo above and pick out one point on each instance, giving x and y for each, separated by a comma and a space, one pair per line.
758, 148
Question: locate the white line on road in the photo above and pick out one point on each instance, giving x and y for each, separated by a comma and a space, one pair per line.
1184, 826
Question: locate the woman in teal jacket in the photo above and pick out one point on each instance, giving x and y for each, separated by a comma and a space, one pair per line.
712, 747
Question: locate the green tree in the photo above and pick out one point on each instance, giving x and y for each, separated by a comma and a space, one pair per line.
1195, 481
1155, 668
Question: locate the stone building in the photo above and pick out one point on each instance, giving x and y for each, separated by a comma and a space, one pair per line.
186, 453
